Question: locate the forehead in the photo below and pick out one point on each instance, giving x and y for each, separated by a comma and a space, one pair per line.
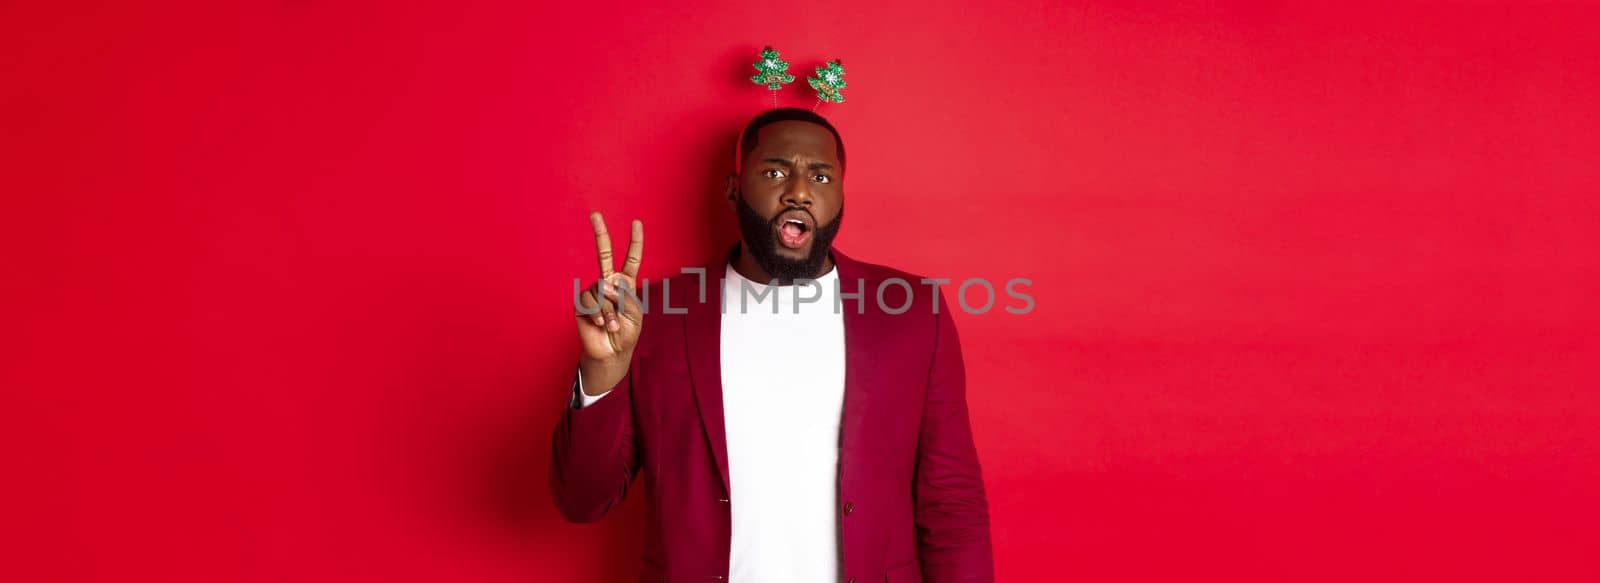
793, 138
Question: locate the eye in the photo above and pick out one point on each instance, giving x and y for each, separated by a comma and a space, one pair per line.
822, 178
773, 173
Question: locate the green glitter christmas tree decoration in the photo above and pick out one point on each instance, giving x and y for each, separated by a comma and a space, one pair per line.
772, 72
828, 82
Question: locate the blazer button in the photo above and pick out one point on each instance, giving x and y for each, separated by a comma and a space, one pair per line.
722, 499
852, 580
848, 506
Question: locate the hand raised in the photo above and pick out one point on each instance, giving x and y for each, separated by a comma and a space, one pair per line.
609, 321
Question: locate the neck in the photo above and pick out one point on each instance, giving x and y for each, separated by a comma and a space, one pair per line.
746, 265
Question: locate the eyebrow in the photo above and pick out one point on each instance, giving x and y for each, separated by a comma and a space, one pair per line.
812, 166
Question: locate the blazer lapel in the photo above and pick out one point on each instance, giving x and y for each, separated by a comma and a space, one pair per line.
703, 342
863, 346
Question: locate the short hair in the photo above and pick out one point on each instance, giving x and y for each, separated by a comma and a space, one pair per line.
747, 140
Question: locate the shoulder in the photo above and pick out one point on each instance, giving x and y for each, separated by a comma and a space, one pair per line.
872, 271
894, 291
667, 300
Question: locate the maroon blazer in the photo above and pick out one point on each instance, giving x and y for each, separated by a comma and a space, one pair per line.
912, 505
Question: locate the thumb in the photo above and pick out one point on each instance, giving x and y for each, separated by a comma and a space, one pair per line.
627, 296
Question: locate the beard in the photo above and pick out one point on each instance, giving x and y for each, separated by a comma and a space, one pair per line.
761, 237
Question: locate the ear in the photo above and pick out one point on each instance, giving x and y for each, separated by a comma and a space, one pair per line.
732, 188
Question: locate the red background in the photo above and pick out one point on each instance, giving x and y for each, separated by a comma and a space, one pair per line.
1314, 285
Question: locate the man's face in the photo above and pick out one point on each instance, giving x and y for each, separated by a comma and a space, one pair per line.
789, 198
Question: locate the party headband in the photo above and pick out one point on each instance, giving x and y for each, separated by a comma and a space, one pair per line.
773, 72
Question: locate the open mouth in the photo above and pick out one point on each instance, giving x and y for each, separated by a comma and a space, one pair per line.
794, 229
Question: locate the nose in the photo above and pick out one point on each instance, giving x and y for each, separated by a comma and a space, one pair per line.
798, 194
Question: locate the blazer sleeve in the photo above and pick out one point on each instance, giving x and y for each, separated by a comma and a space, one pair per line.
593, 457
951, 509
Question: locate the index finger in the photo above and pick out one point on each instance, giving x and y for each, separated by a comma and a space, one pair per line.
630, 264
602, 243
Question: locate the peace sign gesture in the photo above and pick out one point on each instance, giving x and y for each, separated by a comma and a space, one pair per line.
610, 332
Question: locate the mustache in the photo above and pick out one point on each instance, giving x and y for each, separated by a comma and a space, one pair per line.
774, 220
